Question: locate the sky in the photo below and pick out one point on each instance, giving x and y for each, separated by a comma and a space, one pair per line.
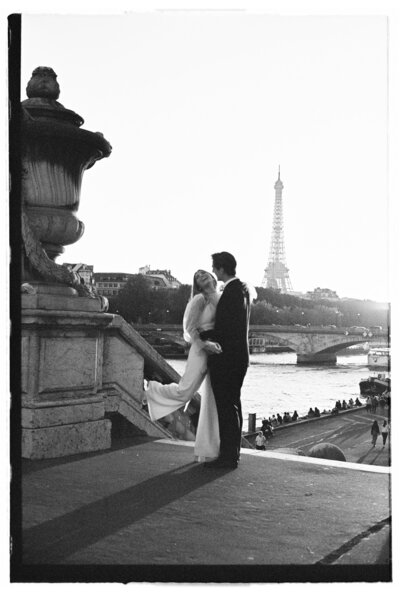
201, 109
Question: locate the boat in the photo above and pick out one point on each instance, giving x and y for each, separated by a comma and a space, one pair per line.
379, 358
375, 385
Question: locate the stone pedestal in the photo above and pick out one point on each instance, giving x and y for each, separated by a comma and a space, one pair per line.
62, 359
62, 321
80, 366
64, 439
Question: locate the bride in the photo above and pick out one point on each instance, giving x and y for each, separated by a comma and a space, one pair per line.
164, 399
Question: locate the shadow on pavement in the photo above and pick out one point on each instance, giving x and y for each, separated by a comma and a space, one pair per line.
34, 465
54, 540
363, 458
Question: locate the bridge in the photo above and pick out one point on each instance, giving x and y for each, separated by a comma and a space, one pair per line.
313, 345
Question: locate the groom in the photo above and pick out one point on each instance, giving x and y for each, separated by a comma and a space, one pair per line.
228, 367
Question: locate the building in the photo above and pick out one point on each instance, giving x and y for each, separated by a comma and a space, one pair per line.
322, 294
110, 284
160, 278
85, 272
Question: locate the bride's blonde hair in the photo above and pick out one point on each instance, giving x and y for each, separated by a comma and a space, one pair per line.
195, 286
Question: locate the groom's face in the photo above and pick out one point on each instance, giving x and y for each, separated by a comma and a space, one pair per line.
218, 272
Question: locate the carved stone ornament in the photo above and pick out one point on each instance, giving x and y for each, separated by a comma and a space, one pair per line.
55, 154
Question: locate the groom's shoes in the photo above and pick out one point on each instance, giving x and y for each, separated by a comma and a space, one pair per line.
221, 463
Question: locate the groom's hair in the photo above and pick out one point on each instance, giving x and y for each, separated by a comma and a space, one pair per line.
226, 261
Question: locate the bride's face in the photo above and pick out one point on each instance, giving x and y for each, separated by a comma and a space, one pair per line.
205, 280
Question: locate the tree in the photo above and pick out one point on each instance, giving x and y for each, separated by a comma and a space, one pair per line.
140, 303
176, 301
134, 301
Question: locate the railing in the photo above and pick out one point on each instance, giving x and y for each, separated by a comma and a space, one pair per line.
120, 399
155, 366
295, 328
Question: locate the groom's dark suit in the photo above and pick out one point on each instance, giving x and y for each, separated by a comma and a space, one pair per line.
228, 369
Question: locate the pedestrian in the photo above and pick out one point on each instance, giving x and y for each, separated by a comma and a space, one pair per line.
260, 441
317, 412
295, 416
385, 431
375, 432
374, 403
368, 404
266, 429
268, 432
382, 403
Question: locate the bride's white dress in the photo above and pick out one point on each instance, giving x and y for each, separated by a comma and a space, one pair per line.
164, 399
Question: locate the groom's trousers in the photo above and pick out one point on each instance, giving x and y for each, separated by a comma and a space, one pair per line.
226, 382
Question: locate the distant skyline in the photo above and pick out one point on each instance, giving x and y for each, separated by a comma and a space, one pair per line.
201, 109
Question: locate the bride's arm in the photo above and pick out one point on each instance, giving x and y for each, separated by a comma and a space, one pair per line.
191, 319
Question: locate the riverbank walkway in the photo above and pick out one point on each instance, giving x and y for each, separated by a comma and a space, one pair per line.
350, 430
145, 511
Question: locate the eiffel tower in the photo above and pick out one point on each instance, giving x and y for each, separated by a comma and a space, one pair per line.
276, 274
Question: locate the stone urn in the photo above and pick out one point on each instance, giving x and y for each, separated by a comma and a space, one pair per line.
55, 152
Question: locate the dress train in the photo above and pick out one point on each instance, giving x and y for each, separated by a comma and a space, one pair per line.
165, 399
207, 435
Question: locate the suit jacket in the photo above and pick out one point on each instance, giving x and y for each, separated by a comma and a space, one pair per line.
232, 325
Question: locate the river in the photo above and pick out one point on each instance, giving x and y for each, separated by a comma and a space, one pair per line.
275, 383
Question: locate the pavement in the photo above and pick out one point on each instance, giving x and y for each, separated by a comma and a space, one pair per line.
146, 511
